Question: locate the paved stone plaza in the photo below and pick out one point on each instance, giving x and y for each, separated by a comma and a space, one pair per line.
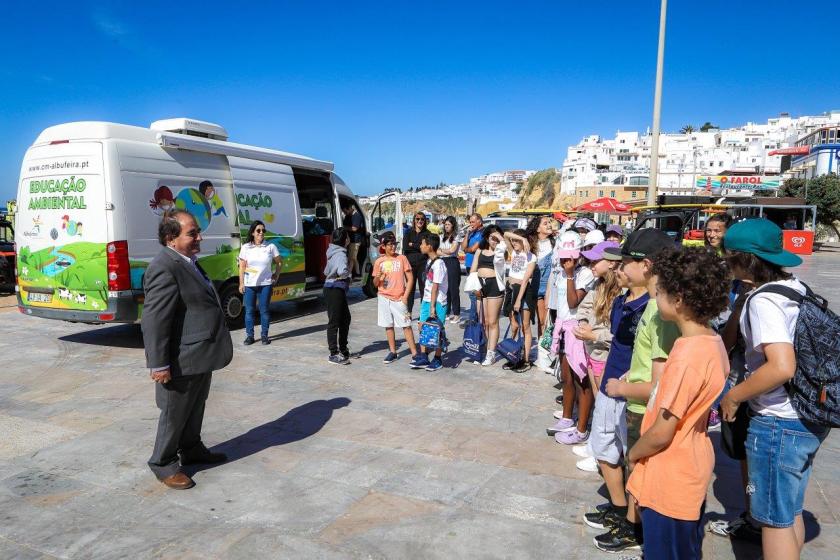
362, 461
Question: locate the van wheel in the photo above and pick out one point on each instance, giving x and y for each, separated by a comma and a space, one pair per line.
232, 306
369, 289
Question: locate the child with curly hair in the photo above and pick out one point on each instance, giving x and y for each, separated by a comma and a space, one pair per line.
673, 460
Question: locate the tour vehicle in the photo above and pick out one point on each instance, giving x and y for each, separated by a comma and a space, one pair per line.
91, 195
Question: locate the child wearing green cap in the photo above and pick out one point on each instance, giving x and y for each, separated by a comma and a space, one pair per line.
780, 445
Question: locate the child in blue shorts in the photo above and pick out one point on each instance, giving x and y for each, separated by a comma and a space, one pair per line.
433, 305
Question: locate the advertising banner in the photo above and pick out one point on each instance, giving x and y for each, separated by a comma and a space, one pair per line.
737, 182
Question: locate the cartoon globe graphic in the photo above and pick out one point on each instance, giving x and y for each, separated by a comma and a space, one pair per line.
194, 202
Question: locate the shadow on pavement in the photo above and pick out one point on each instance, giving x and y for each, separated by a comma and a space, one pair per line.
297, 424
120, 336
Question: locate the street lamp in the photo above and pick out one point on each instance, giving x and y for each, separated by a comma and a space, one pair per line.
657, 106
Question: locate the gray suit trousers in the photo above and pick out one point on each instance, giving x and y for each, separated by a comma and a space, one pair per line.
181, 404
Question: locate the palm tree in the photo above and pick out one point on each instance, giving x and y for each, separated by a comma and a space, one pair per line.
707, 126
687, 129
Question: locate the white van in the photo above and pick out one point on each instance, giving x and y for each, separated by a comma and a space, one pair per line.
91, 195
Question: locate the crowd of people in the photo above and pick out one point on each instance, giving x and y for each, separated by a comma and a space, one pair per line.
652, 345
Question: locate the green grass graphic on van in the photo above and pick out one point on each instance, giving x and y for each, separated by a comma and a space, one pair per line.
76, 272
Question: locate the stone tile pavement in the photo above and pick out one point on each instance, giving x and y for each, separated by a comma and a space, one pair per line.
362, 461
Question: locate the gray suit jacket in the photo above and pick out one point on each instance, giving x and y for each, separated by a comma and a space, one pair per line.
183, 323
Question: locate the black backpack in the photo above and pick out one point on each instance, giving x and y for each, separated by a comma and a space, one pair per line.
815, 387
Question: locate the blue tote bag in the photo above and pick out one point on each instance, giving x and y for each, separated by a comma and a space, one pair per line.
475, 341
512, 348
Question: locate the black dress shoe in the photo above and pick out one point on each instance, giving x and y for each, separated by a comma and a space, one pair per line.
265, 341
205, 457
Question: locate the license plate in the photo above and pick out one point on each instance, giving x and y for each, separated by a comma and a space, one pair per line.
40, 298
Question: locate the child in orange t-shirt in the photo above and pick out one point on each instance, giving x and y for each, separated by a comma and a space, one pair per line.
673, 460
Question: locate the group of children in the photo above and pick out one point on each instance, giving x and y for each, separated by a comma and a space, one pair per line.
394, 279
629, 327
667, 368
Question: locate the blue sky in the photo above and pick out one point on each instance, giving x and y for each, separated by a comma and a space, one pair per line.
409, 93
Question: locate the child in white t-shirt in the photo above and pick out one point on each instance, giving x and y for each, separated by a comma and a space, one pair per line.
433, 305
780, 445
570, 282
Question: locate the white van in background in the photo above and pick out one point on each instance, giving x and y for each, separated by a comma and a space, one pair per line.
91, 195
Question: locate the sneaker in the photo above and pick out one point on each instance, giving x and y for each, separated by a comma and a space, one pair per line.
572, 437
561, 425
455, 320
346, 354
420, 361
265, 341
740, 528
559, 398
605, 518
390, 357
434, 365
622, 536
338, 359
249, 340
582, 451
588, 464
714, 419
489, 360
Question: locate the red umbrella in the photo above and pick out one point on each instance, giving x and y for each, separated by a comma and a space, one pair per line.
604, 205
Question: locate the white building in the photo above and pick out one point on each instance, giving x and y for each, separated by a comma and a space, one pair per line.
625, 159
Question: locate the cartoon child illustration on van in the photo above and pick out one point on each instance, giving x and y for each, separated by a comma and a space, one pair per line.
163, 200
70, 226
208, 191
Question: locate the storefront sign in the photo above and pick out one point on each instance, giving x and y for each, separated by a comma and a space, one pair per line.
737, 182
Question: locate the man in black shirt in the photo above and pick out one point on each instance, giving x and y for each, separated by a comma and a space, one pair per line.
354, 222
411, 250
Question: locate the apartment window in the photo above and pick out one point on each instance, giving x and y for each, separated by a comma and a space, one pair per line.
632, 194
720, 164
600, 193
612, 194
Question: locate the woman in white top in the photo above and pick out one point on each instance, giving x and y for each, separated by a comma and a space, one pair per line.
450, 244
519, 299
255, 278
489, 265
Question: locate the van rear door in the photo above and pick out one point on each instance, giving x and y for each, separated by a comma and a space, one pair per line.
61, 232
386, 216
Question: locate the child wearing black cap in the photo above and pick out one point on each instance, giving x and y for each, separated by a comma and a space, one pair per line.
654, 339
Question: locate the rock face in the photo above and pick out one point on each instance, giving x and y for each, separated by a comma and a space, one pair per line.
543, 191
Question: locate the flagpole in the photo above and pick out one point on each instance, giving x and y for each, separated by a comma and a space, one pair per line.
657, 108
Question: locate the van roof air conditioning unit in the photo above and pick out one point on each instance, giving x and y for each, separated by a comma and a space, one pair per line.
191, 127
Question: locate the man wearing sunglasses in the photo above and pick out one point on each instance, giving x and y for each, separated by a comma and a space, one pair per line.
186, 339
411, 250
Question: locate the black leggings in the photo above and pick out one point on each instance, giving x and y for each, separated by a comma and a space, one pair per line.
338, 324
419, 272
453, 295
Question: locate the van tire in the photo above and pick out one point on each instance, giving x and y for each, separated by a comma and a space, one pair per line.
369, 289
232, 305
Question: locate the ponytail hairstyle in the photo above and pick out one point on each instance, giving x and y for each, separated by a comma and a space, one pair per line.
606, 291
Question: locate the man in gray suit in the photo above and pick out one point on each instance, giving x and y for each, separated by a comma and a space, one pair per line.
186, 339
